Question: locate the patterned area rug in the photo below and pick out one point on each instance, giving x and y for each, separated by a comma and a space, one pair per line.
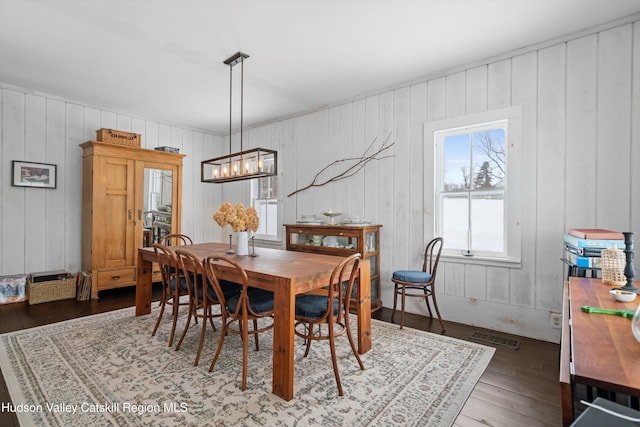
108, 370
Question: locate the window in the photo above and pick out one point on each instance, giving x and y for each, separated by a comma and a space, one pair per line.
264, 196
475, 203
470, 188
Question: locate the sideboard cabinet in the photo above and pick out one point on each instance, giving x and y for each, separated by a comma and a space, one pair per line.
121, 187
341, 240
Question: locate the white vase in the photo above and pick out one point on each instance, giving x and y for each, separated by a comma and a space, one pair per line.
243, 243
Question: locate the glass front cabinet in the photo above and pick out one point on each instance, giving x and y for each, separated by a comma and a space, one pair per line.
341, 240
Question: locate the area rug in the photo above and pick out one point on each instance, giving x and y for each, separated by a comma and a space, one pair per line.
107, 370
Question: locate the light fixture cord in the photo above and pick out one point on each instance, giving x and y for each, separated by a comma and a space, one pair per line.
241, 99
230, 102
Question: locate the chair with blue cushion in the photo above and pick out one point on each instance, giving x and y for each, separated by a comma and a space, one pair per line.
202, 298
419, 283
173, 286
331, 309
251, 304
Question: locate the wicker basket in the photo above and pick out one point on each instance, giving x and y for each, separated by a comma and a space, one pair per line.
613, 262
54, 290
118, 137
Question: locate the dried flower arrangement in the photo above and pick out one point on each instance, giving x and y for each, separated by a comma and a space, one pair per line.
239, 218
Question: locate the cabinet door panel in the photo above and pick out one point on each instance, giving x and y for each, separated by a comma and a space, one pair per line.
117, 213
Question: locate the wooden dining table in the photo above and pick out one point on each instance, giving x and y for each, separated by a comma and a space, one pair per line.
286, 274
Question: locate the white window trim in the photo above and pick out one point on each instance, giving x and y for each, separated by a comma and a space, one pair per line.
269, 240
513, 216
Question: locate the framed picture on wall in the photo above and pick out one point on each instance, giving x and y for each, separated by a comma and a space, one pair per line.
30, 174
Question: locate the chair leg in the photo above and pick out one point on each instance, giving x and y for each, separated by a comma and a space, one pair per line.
402, 307
245, 353
352, 342
435, 305
255, 334
211, 321
186, 326
426, 301
223, 333
395, 300
310, 334
162, 307
334, 359
175, 307
203, 332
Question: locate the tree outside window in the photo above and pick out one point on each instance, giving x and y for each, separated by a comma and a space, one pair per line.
470, 193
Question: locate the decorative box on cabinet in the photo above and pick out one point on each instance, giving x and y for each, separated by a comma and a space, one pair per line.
341, 240
118, 184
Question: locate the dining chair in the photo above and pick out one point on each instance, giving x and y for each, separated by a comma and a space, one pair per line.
174, 286
331, 308
176, 240
419, 283
202, 298
250, 304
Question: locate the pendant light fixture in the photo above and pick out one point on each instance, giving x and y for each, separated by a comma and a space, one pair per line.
253, 163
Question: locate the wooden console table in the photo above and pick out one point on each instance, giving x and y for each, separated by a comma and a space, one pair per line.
597, 350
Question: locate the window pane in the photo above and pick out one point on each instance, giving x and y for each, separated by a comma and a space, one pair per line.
264, 195
489, 159
471, 201
266, 187
455, 220
268, 213
487, 222
456, 163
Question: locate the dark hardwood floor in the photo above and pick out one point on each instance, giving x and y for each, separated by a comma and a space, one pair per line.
519, 387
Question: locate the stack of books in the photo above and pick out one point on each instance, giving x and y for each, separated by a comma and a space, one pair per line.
83, 286
583, 246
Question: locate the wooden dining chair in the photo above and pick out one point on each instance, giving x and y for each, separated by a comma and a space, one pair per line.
174, 286
176, 240
419, 283
250, 305
331, 309
202, 298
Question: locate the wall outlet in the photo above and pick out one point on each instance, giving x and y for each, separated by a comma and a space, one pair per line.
556, 320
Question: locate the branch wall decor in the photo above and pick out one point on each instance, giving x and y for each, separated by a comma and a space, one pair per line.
358, 164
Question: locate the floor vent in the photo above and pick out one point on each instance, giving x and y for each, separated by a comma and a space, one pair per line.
492, 339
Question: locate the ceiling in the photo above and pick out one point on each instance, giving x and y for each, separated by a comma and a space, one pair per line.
163, 59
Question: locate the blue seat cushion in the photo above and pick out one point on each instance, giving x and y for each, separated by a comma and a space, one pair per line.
313, 306
412, 276
260, 301
182, 283
229, 289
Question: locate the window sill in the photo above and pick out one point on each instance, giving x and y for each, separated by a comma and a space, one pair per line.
482, 260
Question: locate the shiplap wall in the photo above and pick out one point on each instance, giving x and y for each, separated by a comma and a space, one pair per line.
40, 228
580, 102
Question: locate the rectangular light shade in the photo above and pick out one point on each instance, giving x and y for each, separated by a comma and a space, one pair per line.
249, 164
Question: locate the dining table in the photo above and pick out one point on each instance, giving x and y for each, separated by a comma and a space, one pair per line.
286, 274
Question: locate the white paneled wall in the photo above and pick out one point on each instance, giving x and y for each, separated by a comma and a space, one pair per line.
580, 145
580, 102
40, 228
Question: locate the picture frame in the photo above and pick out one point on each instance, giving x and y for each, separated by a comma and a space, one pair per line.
32, 174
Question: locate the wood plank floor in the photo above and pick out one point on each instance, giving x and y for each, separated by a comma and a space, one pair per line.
519, 387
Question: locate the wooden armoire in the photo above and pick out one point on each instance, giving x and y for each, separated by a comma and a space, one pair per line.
121, 189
